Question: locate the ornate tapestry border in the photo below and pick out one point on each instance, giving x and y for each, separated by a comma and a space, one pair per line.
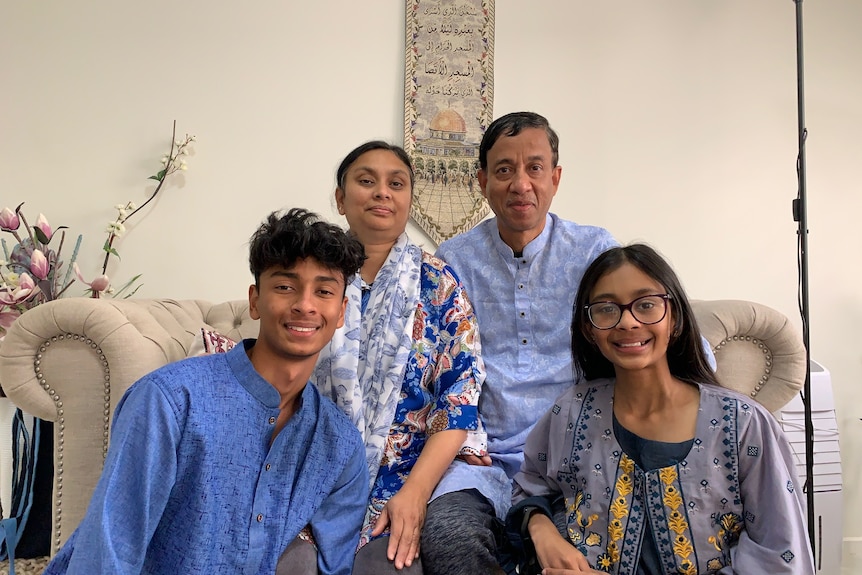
448, 104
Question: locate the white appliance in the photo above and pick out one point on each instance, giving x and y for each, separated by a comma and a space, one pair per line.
828, 509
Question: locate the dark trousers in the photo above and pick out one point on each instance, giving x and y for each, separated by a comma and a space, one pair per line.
462, 535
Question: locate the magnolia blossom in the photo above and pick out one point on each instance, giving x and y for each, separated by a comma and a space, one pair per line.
99, 284
15, 294
39, 265
42, 224
9, 220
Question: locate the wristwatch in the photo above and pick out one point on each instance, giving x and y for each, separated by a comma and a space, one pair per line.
525, 522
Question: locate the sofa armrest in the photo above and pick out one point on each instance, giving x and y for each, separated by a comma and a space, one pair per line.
757, 350
70, 361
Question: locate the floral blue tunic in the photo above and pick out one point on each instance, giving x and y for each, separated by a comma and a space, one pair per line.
440, 390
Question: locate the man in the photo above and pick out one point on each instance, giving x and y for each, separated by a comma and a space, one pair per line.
521, 271
218, 462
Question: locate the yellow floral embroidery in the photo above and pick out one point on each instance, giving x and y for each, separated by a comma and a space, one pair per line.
594, 539
672, 498
731, 525
715, 543
573, 508
619, 509
604, 563
627, 464
668, 475
677, 523
624, 485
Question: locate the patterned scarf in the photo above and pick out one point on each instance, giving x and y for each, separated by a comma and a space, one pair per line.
363, 367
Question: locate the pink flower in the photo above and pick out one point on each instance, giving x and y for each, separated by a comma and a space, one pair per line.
39, 265
43, 225
99, 284
7, 318
9, 220
25, 290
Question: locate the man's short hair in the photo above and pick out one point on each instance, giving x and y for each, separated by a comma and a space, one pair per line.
511, 125
281, 240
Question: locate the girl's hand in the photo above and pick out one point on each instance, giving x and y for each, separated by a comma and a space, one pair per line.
553, 551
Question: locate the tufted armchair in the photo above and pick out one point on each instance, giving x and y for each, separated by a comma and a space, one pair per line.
70, 361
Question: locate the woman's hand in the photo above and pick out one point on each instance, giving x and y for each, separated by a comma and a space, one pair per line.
405, 513
553, 551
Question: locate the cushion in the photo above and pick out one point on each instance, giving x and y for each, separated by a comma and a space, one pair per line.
210, 342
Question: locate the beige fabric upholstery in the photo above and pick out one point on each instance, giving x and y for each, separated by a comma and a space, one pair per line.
71, 360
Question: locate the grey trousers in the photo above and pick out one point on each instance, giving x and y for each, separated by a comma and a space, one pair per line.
461, 536
300, 558
371, 560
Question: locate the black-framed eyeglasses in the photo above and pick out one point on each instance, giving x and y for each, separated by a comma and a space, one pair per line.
647, 309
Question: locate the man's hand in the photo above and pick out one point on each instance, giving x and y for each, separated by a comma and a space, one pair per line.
405, 513
484, 460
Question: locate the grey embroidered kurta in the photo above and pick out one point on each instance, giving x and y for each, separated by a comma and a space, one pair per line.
731, 506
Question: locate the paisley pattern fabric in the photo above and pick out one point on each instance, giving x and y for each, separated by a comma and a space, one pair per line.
404, 375
441, 384
363, 366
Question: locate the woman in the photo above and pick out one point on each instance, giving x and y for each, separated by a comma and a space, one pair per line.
405, 367
649, 467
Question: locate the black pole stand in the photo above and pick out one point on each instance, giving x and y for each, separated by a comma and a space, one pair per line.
800, 215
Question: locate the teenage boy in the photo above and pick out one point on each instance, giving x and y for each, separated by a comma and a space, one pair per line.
217, 462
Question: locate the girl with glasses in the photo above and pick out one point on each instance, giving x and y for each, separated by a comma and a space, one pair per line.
647, 466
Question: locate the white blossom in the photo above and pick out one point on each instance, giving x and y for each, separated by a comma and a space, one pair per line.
116, 228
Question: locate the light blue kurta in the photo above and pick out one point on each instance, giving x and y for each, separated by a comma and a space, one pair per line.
524, 309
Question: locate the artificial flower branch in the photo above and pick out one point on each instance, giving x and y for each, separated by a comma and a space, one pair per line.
30, 272
172, 164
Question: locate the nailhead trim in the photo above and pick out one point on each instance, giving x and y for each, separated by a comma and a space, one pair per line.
60, 425
767, 356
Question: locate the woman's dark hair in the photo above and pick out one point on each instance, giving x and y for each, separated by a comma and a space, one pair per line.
281, 240
685, 354
367, 147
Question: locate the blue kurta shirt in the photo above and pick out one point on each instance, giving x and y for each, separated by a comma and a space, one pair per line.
526, 346
191, 483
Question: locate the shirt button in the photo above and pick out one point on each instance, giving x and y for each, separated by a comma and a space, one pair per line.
268, 466
520, 286
271, 420
524, 341
523, 314
259, 517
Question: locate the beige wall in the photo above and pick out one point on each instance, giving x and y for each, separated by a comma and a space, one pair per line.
677, 120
